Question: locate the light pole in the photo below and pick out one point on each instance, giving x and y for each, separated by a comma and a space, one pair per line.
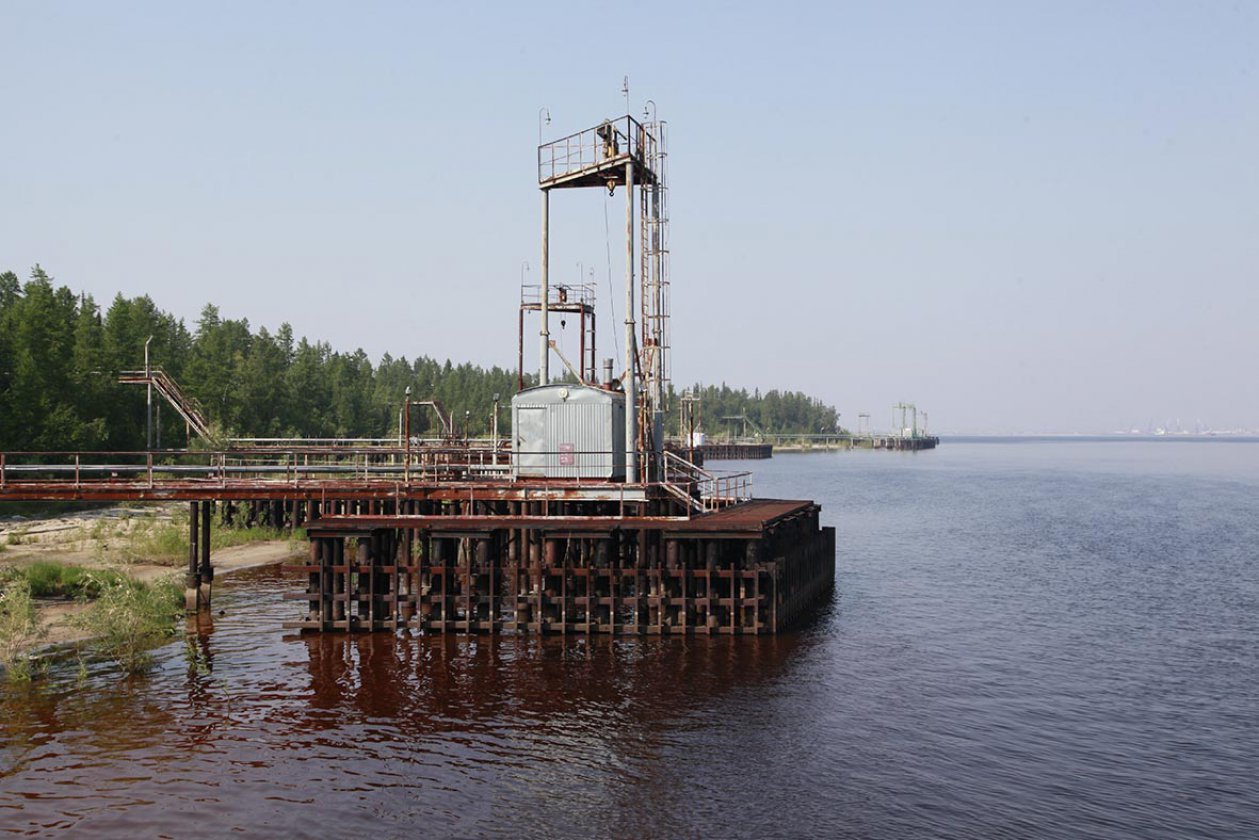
541, 112
406, 431
148, 409
494, 429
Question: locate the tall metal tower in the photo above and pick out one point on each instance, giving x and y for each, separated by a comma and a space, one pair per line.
654, 212
621, 153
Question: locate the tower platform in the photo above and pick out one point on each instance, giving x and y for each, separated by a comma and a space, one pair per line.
597, 157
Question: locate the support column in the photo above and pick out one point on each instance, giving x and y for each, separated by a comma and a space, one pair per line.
544, 360
206, 574
192, 582
631, 381
657, 335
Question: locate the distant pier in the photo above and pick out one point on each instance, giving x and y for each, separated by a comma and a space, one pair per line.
736, 451
767, 445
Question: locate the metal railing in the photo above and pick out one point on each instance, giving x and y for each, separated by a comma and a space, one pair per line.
120, 473
252, 466
706, 490
594, 148
561, 294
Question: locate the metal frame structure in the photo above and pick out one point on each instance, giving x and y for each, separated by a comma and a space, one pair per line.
620, 153
565, 299
443, 536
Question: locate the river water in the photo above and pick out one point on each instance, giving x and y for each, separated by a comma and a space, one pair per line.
1028, 639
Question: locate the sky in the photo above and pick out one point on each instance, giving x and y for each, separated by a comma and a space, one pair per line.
1022, 217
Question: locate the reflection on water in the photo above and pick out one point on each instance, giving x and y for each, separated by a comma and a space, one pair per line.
447, 731
1035, 639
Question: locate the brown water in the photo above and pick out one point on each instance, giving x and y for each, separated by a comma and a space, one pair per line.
1032, 639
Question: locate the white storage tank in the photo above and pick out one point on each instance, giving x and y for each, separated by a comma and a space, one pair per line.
568, 431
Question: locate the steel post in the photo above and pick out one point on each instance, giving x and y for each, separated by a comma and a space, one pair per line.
631, 381
148, 404
206, 573
192, 583
544, 350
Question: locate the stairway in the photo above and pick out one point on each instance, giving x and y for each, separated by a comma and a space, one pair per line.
187, 407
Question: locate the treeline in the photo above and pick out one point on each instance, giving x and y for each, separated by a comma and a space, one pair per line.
60, 355
726, 411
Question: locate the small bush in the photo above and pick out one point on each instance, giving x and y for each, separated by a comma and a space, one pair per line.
19, 629
129, 619
54, 580
44, 579
8, 575
156, 541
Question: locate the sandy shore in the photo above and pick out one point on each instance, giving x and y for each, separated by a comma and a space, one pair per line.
83, 539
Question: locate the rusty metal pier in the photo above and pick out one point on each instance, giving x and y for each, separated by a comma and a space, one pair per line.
582, 522
423, 538
537, 568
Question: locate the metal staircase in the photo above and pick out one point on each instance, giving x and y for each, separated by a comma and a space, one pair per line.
187, 407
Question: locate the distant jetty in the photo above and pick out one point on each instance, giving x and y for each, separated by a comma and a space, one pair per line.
908, 437
765, 446
813, 443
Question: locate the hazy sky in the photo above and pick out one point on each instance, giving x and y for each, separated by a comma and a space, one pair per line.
1021, 216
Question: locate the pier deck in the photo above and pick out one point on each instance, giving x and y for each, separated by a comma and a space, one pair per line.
444, 540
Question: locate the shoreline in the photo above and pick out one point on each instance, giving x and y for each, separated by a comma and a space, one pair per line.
62, 539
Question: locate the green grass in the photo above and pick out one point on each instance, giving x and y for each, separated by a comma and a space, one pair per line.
55, 580
125, 619
19, 629
128, 620
168, 541
147, 539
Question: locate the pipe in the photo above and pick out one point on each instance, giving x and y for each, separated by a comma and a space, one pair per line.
148, 406
631, 383
544, 350
607, 372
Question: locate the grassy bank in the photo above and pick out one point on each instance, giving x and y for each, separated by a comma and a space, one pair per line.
96, 581
166, 541
124, 618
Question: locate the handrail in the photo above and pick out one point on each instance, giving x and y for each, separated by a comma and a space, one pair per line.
611, 142
714, 491
699, 490
187, 407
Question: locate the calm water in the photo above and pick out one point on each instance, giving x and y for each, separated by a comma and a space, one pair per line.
1029, 639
